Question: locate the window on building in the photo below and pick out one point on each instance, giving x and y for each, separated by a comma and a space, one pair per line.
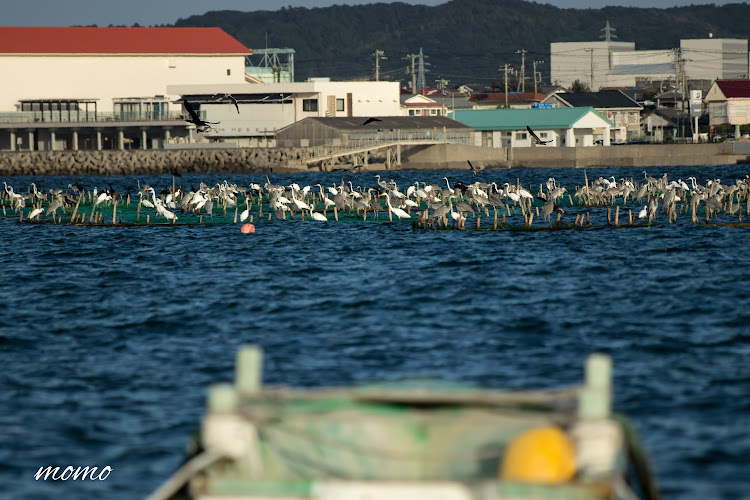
542, 135
433, 111
339, 105
309, 105
520, 136
229, 72
412, 112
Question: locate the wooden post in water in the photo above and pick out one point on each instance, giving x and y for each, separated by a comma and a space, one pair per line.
75, 210
609, 215
576, 221
586, 186
617, 215
336, 213
148, 219
114, 213
235, 214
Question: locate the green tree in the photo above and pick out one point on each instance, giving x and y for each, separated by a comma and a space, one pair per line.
579, 87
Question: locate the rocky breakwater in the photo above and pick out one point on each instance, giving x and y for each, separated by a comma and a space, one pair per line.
152, 162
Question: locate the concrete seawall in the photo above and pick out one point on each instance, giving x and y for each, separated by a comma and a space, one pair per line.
634, 155
440, 156
147, 162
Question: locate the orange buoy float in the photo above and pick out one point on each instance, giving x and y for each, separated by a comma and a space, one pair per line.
545, 455
247, 228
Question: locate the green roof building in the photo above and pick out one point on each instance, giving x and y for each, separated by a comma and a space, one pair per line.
506, 128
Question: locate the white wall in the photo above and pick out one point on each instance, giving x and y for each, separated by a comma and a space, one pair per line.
712, 58
571, 61
106, 77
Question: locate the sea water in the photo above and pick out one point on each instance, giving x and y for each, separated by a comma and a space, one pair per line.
110, 336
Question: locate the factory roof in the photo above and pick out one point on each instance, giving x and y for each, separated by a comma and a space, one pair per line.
90, 40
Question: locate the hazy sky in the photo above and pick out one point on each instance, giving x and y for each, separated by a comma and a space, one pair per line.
148, 12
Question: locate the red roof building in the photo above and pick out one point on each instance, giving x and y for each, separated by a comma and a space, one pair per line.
89, 41
728, 102
734, 88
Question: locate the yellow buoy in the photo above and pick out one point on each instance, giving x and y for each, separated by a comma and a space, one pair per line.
544, 455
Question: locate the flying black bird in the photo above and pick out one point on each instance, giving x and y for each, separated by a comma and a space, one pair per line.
201, 125
224, 97
176, 173
370, 120
536, 139
474, 169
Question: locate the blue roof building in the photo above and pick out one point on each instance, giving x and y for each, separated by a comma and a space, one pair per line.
506, 128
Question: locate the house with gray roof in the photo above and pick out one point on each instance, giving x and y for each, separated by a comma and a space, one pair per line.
353, 132
506, 128
624, 112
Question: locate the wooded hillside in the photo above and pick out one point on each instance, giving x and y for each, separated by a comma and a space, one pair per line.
465, 40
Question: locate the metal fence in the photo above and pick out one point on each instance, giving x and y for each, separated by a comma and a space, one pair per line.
28, 117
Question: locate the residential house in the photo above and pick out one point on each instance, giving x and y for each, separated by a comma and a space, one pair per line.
511, 100
506, 128
728, 102
623, 111
662, 124
421, 105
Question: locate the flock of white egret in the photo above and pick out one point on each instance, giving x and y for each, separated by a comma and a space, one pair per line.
426, 205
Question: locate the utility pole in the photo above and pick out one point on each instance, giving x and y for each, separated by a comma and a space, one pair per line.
535, 63
413, 58
506, 68
522, 83
378, 55
591, 52
421, 82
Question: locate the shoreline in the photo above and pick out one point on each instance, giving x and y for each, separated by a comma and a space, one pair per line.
293, 160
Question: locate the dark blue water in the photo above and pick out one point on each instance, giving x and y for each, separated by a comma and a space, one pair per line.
110, 336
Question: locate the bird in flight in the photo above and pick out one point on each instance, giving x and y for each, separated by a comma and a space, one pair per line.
224, 97
201, 125
370, 120
537, 139
474, 169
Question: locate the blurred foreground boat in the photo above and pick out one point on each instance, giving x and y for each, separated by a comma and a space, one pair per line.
411, 440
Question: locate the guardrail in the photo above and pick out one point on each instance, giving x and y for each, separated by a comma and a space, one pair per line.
29, 117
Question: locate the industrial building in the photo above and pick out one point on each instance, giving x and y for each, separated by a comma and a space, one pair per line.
609, 63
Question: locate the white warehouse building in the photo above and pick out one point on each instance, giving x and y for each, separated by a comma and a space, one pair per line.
264, 108
67, 87
617, 64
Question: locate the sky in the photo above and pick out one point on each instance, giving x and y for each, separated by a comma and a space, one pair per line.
151, 12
